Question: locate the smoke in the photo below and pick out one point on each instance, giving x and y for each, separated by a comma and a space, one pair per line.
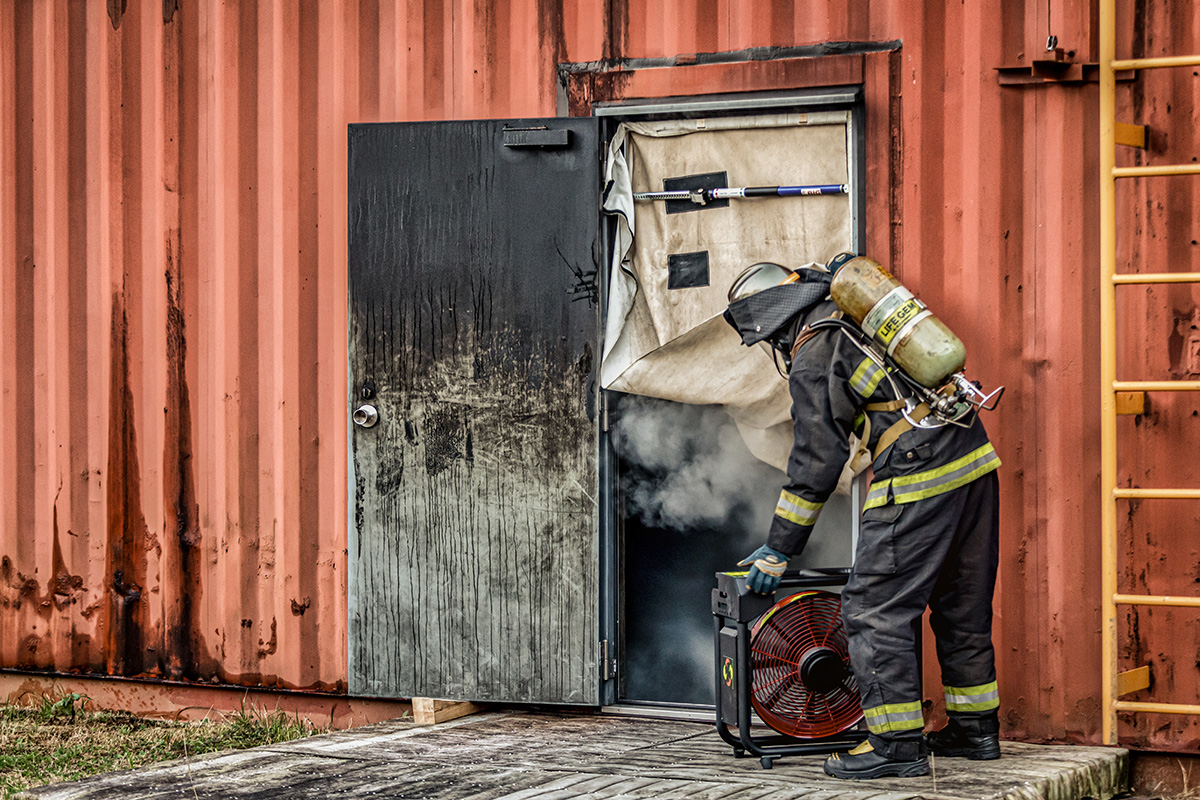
694, 502
685, 468
690, 467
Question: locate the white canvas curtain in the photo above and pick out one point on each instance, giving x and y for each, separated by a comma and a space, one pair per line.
673, 343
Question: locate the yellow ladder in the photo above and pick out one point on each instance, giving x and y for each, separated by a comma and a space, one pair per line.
1113, 133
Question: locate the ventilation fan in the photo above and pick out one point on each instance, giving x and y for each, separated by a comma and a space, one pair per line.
788, 663
801, 683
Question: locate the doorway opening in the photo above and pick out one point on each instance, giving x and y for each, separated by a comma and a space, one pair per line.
692, 500
697, 428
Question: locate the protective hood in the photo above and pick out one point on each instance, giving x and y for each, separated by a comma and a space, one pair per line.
760, 316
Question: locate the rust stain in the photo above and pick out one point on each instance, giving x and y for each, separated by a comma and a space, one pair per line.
30, 646
581, 87
273, 681
116, 11
1183, 345
551, 33
895, 163
126, 529
25, 587
616, 30
299, 608
186, 653
268, 648
62, 587
611, 86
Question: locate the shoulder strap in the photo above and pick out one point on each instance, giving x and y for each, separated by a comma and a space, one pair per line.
807, 333
900, 426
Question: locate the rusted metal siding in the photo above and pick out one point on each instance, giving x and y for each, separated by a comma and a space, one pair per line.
173, 301
195, 701
173, 328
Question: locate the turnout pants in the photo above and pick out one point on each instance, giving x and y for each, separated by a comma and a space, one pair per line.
941, 552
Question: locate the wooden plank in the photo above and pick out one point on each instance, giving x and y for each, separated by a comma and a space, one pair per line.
1130, 403
427, 711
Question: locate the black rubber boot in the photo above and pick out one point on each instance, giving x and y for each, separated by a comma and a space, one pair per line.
863, 763
953, 741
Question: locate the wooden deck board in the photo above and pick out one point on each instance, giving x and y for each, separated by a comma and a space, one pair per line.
523, 756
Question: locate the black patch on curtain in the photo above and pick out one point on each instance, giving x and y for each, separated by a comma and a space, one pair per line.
687, 270
709, 180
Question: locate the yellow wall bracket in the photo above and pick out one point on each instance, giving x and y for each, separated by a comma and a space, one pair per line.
1133, 680
1130, 135
1129, 403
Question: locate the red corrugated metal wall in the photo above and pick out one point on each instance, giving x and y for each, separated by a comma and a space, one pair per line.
173, 304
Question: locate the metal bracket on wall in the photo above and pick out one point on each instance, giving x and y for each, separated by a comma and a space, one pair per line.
1131, 403
1133, 680
1130, 135
1057, 70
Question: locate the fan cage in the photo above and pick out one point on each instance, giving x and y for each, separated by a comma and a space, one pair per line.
801, 637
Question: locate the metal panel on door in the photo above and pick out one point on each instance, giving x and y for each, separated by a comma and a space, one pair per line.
474, 550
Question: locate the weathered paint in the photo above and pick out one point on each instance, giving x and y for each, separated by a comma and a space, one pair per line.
474, 554
173, 353
173, 444
194, 701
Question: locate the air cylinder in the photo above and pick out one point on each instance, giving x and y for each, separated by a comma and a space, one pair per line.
897, 322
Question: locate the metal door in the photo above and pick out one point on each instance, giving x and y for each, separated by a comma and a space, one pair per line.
474, 549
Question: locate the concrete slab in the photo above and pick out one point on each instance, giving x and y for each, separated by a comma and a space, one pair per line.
519, 755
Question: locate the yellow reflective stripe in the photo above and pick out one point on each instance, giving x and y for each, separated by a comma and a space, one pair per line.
930, 483
866, 377
796, 509
982, 688
860, 372
960, 472
878, 494
873, 382
983, 697
894, 717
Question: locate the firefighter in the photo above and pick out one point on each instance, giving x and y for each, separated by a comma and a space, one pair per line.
928, 536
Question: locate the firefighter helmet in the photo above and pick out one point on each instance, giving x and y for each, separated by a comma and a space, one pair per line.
758, 277
766, 297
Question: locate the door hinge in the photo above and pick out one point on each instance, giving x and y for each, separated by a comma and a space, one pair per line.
608, 660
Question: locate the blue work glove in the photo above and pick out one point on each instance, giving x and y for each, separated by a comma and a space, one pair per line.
768, 566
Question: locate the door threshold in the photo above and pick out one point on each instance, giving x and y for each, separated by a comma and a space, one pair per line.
661, 711
667, 711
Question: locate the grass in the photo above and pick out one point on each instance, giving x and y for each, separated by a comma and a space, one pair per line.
62, 737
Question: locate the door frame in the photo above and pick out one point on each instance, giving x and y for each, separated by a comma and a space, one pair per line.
822, 92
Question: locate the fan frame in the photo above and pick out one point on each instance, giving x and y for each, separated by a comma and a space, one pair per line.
734, 608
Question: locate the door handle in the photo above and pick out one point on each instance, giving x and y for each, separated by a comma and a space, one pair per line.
365, 416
